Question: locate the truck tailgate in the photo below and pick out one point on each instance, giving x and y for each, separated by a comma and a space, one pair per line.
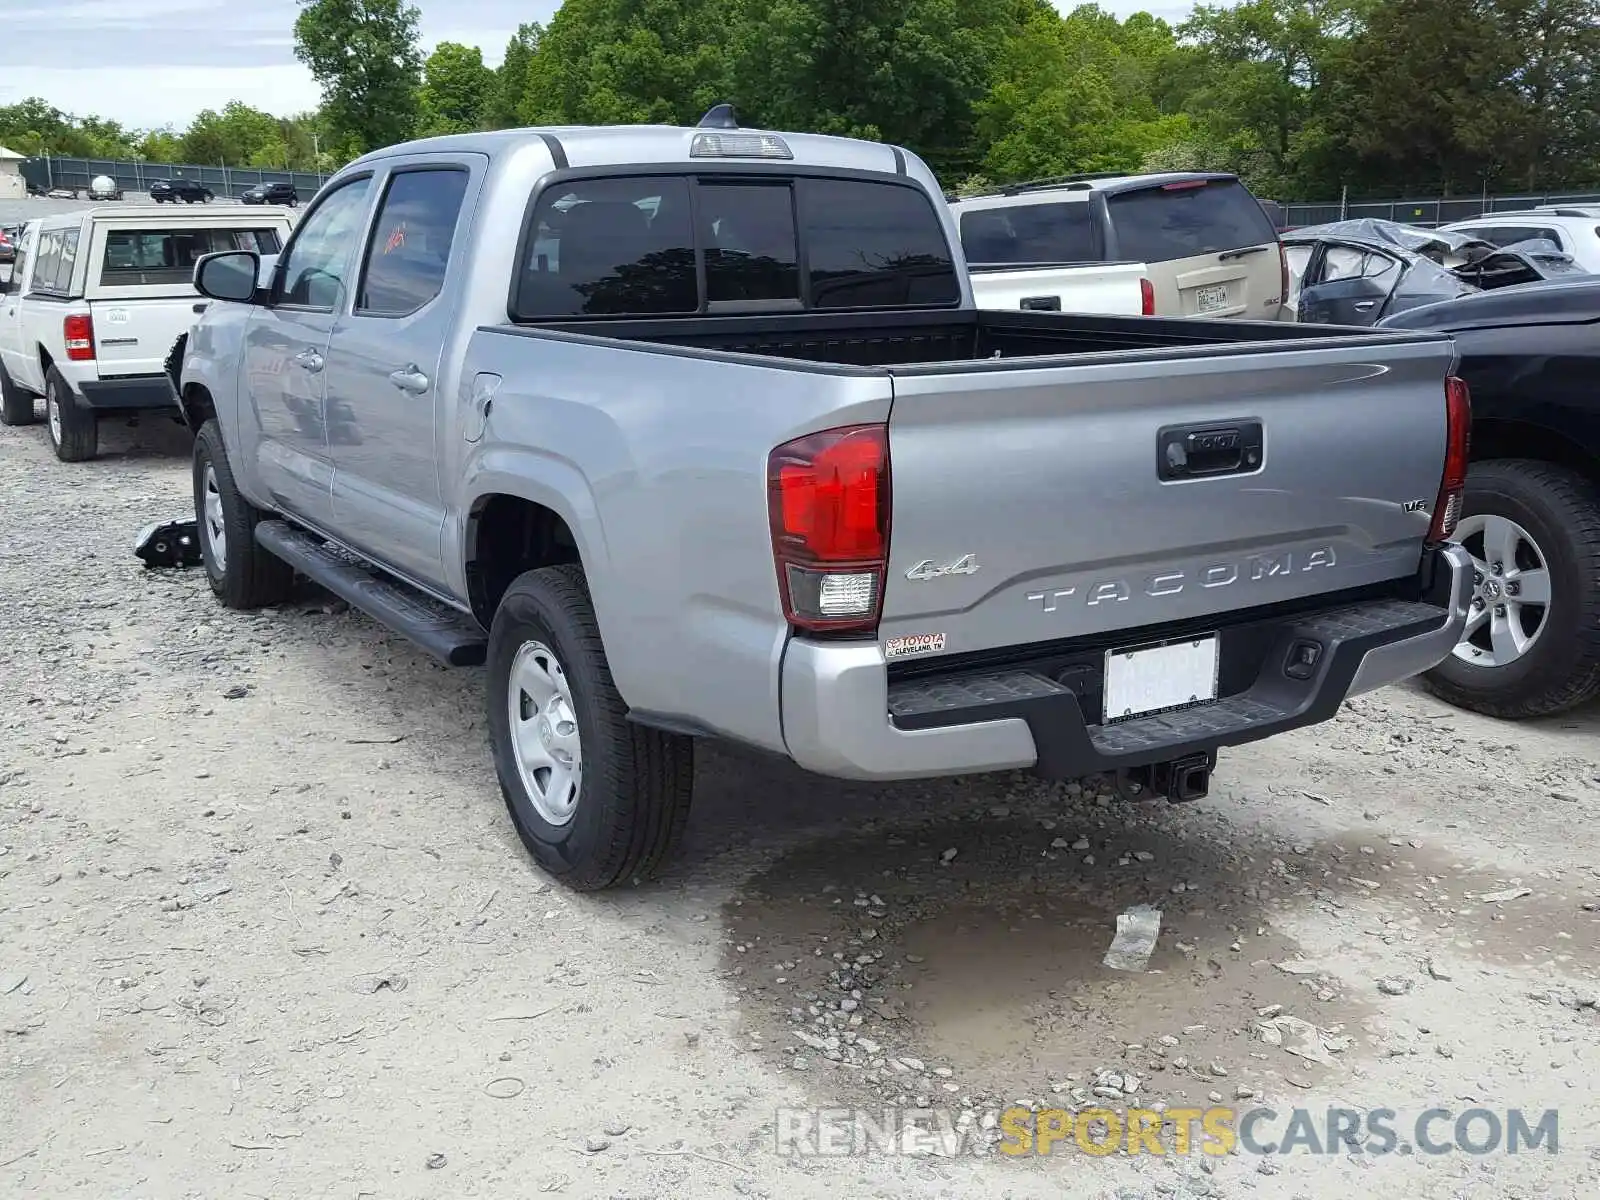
133, 337
1041, 502
1116, 289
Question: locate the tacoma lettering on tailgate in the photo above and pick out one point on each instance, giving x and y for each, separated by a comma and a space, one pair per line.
1255, 568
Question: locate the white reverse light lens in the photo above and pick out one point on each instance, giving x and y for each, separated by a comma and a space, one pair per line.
847, 595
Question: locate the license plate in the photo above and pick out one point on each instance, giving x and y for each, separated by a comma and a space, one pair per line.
1159, 678
1209, 299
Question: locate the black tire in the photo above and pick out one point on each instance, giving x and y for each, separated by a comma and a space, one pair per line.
633, 801
1560, 510
246, 575
78, 439
208, 197
16, 405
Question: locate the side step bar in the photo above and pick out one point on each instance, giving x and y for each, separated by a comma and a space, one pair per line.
452, 637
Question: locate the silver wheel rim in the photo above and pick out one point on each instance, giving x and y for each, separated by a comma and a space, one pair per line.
544, 732
216, 529
52, 412
1510, 591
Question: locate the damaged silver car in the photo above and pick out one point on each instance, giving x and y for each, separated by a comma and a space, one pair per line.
1358, 272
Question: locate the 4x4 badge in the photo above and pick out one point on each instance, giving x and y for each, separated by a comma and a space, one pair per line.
967, 564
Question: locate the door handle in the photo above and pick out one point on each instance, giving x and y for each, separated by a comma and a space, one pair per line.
409, 379
1363, 305
310, 360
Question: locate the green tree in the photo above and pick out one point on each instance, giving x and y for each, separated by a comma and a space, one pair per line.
912, 74
1258, 80
510, 84
1074, 94
364, 56
455, 89
239, 136
612, 62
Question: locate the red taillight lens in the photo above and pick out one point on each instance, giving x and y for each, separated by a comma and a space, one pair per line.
1458, 445
1283, 272
1147, 298
78, 330
828, 503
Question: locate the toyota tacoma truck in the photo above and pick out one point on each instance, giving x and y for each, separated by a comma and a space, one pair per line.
697, 433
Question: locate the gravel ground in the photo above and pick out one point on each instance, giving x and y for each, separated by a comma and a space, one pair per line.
265, 929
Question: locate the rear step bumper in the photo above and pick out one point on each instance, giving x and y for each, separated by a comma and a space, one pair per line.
843, 716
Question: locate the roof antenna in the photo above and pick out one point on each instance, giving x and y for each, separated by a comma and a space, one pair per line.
720, 116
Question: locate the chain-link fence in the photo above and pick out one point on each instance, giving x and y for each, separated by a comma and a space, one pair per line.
75, 175
1428, 213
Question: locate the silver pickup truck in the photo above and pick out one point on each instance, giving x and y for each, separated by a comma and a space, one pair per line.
697, 432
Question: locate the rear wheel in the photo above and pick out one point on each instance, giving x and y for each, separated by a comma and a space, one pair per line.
16, 405
1532, 646
74, 429
597, 799
241, 573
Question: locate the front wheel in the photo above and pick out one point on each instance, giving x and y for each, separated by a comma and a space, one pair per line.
74, 429
1532, 646
597, 799
241, 573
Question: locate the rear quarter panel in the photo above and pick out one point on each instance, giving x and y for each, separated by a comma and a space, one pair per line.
657, 461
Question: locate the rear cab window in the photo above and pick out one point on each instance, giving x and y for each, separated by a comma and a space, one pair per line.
1185, 219
679, 245
1055, 232
164, 256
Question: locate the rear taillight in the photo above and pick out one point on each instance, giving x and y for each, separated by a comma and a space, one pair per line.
1147, 298
1283, 272
78, 331
1458, 444
828, 503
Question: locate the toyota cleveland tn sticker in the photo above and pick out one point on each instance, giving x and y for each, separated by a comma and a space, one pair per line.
914, 643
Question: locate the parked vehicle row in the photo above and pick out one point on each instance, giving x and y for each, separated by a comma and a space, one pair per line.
95, 303
629, 416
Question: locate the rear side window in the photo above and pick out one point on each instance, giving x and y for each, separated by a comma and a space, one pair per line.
58, 254
137, 256
1030, 233
1175, 221
670, 245
411, 239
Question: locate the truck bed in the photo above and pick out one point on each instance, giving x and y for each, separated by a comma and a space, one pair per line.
899, 339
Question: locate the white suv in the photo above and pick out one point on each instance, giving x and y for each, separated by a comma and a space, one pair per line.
1576, 232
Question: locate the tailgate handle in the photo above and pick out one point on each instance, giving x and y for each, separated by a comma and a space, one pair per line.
1207, 451
1042, 303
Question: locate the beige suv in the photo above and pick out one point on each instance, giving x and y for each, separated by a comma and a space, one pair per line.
1209, 248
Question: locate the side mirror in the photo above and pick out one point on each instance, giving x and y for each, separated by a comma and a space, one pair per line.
227, 275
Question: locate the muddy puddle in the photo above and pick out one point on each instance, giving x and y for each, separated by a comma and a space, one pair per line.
885, 965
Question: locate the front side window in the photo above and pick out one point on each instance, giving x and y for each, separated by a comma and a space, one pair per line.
411, 239
147, 256
1186, 219
314, 267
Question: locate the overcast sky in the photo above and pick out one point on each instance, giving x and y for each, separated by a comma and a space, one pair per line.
158, 62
